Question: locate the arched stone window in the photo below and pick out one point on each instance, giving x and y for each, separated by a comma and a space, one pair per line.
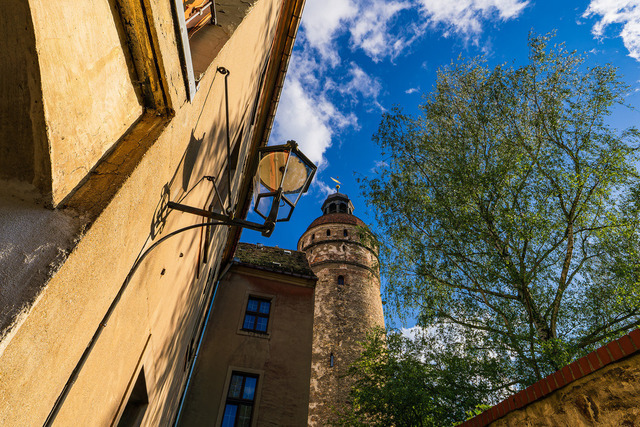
328, 232
340, 280
345, 232
343, 208
332, 208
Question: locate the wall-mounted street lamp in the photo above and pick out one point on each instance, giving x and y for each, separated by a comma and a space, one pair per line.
282, 176
284, 173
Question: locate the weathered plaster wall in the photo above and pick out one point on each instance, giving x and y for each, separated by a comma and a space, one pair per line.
607, 397
160, 308
26, 260
282, 357
343, 314
22, 134
89, 97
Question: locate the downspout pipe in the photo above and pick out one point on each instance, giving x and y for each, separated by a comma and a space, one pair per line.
200, 339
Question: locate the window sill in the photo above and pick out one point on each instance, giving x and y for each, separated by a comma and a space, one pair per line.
101, 184
254, 334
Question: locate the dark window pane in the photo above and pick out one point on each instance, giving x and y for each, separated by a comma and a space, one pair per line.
264, 307
236, 386
252, 305
249, 388
229, 417
244, 416
262, 324
249, 321
256, 317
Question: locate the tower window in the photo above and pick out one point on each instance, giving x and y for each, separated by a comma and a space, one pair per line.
238, 409
331, 360
328, 232
332, 208
256, 318
313, 236
343, 208
340, 280
345, 232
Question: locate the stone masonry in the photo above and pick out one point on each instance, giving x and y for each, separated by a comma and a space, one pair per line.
347, 301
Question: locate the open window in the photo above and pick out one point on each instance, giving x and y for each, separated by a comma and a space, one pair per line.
198, 13
202, 36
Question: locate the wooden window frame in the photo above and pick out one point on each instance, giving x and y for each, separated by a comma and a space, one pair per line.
257, 314
240, 401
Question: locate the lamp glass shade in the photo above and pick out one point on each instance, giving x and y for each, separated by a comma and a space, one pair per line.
263, 204
283, 175
282, 168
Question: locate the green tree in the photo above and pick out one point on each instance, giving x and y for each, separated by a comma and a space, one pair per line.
399, 381
510, 208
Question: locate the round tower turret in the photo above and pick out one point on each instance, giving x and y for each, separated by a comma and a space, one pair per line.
343, 256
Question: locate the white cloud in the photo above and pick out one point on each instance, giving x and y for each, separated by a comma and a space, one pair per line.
371, 30
465, 17
360, 86
378, 164
309, 118
322, 20
624, 12
323, 189
311, 108
305, 111
411, 90
381, 163
373, 27
412, 333
368, 22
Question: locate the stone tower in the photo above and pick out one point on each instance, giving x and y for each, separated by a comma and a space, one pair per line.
347, 300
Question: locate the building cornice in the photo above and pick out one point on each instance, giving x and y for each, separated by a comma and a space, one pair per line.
352, 242
272, 274
345, 262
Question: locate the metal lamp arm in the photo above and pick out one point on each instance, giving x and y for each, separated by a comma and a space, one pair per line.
266, 229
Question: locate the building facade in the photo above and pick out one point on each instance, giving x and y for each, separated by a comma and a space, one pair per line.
108, 110
260, 330
343, 255
321, 301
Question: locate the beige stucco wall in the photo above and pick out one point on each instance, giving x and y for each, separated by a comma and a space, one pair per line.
21, 116
282, 358
607, 397
89, 99
157, 314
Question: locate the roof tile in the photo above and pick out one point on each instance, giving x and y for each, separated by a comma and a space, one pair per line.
274, 259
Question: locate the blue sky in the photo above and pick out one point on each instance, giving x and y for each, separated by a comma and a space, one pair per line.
355, 59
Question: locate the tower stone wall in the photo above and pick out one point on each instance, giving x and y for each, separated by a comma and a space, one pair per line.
347, 301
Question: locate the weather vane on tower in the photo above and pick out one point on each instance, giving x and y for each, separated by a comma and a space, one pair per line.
338, 183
